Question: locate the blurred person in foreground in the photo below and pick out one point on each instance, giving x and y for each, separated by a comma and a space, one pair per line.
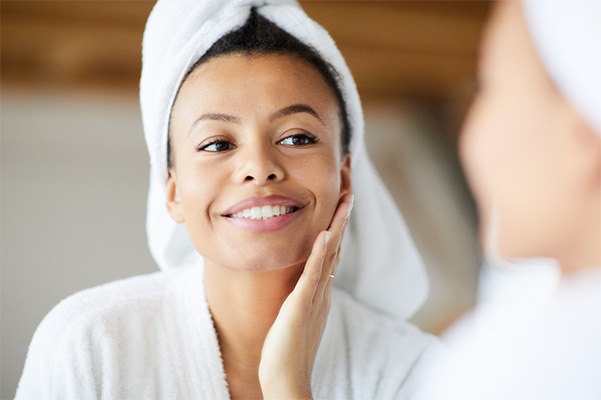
531, 150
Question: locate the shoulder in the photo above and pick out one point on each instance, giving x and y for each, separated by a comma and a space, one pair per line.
86, 333
107, 300
102, 311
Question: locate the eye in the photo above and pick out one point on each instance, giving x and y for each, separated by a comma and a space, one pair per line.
216, 146
299, 139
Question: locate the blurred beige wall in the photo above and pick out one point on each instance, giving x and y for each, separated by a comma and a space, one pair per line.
73, 191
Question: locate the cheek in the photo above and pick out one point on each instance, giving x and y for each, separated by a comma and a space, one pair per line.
488, 156
504, 153
479, 151
322, 177
319, 178
197, 191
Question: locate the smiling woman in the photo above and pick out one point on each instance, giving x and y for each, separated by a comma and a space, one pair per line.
267, 153
254, 129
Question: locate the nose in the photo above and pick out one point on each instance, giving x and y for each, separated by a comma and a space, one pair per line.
260, 164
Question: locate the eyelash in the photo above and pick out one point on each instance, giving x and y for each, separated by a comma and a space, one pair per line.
215, 142
307, 139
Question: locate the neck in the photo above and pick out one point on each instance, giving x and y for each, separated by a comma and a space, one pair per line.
244, 305
584, 255
582, 250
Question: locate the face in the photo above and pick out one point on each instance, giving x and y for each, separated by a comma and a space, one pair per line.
257, 164
518, 146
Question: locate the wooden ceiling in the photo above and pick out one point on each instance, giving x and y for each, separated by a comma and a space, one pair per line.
395, 49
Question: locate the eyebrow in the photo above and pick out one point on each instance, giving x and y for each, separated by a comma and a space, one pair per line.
217, 117
294, 109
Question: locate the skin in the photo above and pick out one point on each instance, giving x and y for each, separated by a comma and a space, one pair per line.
236, 137
531, 161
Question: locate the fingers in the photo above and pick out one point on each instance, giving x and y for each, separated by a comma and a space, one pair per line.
312, 275
337, 227
323, 260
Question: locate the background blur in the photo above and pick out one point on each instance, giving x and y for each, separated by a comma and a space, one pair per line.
74, 165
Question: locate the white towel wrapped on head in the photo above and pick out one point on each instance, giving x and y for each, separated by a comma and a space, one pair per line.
567, 37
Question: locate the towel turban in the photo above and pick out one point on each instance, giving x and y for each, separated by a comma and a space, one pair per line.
567, 37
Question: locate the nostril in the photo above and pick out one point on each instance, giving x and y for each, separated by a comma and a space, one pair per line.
268, 178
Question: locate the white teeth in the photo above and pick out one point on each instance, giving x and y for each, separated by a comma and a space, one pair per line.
264, 212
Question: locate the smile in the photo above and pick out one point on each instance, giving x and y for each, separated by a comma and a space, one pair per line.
264, 212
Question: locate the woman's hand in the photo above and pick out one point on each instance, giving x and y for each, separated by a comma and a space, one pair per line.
291, 345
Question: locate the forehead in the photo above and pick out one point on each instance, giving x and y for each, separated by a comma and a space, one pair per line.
251, 88
287, 74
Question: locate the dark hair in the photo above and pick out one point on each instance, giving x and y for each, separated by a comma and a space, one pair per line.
260, 36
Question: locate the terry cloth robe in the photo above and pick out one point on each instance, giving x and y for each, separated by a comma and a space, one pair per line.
152, 337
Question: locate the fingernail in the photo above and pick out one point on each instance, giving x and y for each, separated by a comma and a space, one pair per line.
327, 238
350, 206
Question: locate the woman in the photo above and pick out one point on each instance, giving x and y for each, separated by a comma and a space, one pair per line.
251, 119
531, 149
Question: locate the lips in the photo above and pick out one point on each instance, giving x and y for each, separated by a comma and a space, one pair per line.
262, 214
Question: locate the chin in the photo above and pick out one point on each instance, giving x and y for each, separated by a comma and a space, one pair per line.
264, 260
497, 245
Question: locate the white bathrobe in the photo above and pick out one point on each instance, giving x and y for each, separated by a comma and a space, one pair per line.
532, 340
152, 337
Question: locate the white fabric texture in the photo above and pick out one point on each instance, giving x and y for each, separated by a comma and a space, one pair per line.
152, 337
525, 345
380, 265
567, 36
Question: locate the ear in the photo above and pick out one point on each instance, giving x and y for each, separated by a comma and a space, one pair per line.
346, 185
174, 205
